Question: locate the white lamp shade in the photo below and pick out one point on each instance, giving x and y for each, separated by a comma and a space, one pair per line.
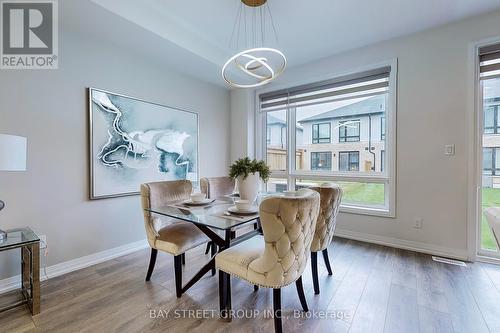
12, 153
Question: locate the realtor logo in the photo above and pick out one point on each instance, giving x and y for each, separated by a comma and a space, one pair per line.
29, 35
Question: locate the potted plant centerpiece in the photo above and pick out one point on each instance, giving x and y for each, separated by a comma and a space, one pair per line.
248, 174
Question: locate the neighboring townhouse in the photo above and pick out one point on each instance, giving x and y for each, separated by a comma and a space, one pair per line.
348, 138
276, 143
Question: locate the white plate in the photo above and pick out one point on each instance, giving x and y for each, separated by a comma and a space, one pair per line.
201, 203
250, 211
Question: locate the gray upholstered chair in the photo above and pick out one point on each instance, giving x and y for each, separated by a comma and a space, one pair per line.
169, 235
279, 257
493, 217
330, 195
216, 187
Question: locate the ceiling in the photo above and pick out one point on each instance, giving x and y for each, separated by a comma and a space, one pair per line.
194, 35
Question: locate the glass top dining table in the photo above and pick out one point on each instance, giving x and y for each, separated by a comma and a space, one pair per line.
214, 215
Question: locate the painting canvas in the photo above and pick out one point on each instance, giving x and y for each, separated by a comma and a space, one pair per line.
134, 141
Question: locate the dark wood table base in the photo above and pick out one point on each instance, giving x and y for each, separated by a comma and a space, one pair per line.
221, 244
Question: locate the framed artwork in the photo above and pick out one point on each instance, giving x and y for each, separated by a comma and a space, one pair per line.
133, 142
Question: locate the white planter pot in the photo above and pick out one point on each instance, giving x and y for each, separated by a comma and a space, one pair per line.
249, 187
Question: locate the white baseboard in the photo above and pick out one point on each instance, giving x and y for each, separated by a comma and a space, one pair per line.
14, 282
404, 244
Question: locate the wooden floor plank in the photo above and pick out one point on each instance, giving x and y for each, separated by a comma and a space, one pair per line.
485, 294
432, 321
402, 310
430, 286
372, 308
465, 314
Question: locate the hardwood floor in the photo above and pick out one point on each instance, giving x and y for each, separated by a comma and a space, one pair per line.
373, 289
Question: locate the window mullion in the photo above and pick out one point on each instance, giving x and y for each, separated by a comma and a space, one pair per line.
292, 131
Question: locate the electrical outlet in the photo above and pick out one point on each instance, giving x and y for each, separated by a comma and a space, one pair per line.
43, 241
418, 223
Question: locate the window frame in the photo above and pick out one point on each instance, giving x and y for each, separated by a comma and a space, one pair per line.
321, 152
321, 138
388, 177
343, 138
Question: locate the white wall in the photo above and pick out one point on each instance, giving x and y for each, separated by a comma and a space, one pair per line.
434, 108
49, 107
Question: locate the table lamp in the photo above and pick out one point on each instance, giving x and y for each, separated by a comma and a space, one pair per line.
12, 158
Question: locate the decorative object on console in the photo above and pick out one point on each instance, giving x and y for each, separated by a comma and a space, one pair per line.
260, 64
248, 174
12, 158
133, 142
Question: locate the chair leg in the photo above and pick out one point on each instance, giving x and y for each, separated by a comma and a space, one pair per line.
209, 245
178, 275
152, 262
327, 261
222, 293
228, 295
302, 296
183, 256
213, 252
225, 295
278, 328
314, 266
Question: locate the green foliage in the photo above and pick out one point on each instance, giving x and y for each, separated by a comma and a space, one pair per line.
245, 166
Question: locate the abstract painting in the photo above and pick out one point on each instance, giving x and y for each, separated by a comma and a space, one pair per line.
133, 142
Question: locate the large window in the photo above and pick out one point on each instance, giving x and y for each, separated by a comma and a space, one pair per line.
349, 108
349, 130
349, 161
321, 161
321, 133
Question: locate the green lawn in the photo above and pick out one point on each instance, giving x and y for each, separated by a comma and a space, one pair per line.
491, 197
363, 193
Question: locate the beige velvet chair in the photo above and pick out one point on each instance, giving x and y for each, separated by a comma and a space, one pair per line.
325, 226
216, 187
277, 258
493, 217
169, 235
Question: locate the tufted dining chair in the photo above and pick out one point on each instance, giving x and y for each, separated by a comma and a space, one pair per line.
169, 235
279, 257
216, 187
493, 217
331, 196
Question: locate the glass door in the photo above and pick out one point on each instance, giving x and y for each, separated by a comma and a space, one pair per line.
490, 182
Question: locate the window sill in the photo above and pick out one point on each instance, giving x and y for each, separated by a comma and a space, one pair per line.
371, 211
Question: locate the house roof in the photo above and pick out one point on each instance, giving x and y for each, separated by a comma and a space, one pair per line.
272, 120
372, 105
